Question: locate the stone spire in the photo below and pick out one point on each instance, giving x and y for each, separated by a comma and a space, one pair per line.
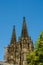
24, 29
12, 48
13, 39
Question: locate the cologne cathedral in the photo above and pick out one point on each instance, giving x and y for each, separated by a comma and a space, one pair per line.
15, 52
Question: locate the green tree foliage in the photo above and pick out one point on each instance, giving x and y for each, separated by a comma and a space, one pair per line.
39, 48
36, 57
30, 58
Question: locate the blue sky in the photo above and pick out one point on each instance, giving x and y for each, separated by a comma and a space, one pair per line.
12, 13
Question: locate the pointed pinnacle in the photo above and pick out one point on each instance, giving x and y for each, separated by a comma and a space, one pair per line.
23, 19
14, 28
24, 28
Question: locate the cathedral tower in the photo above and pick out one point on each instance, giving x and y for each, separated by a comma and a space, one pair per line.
11, 49
16, 51
25, 43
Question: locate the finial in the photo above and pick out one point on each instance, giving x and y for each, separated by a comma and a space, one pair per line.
14, 28
24, 19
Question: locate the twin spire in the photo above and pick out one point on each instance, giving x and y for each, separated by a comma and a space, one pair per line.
13, 39
24, 32
14, 32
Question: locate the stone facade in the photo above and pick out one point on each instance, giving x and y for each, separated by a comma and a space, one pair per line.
15, 52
